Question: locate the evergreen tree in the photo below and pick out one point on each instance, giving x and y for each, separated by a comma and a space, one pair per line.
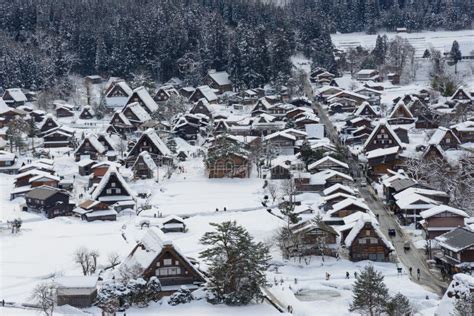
370, 293
380, 50
455, 55
237, 264
399, 305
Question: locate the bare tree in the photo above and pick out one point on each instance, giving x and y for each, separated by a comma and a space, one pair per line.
93, 255
87, 260
43, 295
272, 190
113, 259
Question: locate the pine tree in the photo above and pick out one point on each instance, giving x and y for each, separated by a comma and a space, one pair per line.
370, 293
455, 55
380, 50
237, 264
399, 305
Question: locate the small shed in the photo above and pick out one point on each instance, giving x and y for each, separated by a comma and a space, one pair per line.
173, 224
77, 291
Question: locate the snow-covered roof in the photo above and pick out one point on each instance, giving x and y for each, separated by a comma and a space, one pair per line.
207, 92
383, 124
362, 106
314, 130
149, 247
283, 134
6, 156
46, 176
153, 136
380, 152
122, 117
336, 187
363, 89
435, 210
427, 192
348, 202
366, 71
220, 77
328, 173
398, 106
76, 282
467, 126
17, 95
149, 162
358, 227
105, 180
457, 239
125, 87
139, 111
408, 202
339, 195
439, 134
94, 142
326, 159
146, 98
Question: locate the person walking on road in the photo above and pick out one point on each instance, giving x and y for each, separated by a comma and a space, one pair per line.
418, 274
411, 269
327, 276
347, 275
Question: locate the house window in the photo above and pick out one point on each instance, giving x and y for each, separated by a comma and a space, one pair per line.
362, 241
109, 191
113, 184
168, 271
448, 140
118, 191
176, 263
167, 262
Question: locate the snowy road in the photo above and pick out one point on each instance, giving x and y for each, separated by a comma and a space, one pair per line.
412, 258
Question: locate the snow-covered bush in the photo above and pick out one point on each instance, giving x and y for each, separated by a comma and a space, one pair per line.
182, 296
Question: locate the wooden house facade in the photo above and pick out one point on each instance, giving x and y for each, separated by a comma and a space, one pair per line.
52, 201
366, 242
230, 166
161, 259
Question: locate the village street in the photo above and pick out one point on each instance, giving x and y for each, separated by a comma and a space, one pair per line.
409, 258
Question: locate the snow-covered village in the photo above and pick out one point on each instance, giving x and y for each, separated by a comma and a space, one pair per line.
236, 157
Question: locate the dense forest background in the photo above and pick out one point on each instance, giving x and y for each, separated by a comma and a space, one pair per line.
42, 41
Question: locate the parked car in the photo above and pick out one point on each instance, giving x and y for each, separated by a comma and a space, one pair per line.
392, 232
406, 245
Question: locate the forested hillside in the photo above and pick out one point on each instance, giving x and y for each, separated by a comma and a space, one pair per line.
370, 15
44, 40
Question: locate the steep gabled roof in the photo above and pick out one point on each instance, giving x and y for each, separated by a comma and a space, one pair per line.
440, 134
146, 98
400, 106
149, 249
156, 140
362, 107
105, 180
380, 125
94, 143
149, 162
358, 227
207, 92
138, 111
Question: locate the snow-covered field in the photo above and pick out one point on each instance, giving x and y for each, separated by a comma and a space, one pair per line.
440, 40
44, 249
